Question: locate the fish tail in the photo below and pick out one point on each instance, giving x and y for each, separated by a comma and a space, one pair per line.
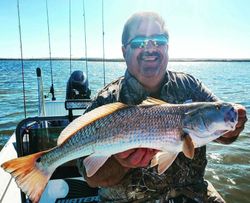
30, 178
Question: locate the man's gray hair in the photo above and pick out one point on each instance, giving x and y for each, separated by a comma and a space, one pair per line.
136, 19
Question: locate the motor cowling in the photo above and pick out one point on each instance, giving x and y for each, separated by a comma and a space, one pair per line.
78, 86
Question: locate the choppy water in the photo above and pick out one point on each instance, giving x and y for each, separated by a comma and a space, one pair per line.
229, 165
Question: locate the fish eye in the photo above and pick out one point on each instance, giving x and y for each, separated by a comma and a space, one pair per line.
218, 107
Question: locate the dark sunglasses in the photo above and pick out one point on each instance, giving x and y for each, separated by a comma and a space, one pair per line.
142, 42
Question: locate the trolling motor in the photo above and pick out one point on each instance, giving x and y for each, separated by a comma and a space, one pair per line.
78, 86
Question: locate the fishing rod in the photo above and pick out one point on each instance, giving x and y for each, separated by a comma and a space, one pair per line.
103, 46
21, 52
85, 39
52, 91
70, 37
23, 80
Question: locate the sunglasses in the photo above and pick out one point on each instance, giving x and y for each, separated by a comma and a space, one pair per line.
142, 42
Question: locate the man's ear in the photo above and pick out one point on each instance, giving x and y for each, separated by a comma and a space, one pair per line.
123, 51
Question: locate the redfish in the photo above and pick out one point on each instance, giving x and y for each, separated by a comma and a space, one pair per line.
117, 127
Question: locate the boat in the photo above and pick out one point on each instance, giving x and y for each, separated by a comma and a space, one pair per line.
39, 133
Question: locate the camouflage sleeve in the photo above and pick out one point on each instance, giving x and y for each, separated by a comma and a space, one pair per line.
108, 94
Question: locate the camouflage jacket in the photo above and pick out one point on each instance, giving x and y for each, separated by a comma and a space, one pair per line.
185, 176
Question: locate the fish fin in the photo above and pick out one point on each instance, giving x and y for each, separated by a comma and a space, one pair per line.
163, 160
188, 146
29, 178
88, 118
153, 101
93, 163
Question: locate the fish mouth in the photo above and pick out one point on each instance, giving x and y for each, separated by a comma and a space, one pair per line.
149, 56
220, 132
231, 118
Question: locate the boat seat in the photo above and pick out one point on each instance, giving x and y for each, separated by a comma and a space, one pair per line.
35, 134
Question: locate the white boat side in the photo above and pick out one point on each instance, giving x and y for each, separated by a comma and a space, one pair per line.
9, 192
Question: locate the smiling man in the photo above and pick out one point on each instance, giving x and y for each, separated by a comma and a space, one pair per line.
126, 177
145, 50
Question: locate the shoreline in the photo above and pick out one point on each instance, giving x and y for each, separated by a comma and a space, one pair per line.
122, 60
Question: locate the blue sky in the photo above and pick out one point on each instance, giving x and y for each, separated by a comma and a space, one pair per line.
198, 28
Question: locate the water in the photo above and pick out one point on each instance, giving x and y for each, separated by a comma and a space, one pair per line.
228, 165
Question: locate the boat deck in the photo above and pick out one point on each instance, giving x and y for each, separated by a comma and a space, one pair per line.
37, 134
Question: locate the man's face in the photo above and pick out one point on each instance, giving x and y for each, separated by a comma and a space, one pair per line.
147, 64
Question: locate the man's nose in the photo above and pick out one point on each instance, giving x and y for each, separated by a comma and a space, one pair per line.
150, 44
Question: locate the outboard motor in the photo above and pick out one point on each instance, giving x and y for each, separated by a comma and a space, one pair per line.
78, 86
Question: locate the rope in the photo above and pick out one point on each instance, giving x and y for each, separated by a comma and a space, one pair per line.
103, 47
70, 36
50, 60
21, 51
85, 40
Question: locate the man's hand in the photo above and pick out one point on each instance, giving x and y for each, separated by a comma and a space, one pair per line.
231, 136
135, 158
112, 172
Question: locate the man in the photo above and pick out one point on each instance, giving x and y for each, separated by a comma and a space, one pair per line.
125, 176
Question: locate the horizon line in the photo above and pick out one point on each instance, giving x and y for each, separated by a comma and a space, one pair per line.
98, 59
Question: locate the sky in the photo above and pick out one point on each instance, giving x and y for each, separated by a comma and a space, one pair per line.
197, 28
